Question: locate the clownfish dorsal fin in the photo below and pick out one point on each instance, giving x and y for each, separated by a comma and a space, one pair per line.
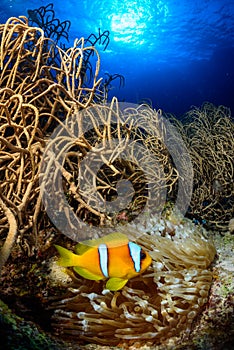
116, 283
82, 248
112, 240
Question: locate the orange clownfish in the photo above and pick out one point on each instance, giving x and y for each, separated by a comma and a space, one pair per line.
112, 257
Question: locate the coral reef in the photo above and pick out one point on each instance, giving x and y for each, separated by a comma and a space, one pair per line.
116, 143
42, 86
44, 18
36, 92
208, 132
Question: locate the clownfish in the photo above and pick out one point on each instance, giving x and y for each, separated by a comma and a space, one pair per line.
112, 257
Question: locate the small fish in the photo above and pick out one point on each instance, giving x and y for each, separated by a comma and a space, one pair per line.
112, 257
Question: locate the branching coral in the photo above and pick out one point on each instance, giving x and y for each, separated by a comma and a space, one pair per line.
21, 142
12, 233
42, 89
152, 308
97, 149
37, 91
44, 18
209, 134
28, 68
106, 84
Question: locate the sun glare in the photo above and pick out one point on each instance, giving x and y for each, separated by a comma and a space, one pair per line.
131, 21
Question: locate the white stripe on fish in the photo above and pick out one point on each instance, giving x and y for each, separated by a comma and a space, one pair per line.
135, 253
103, 259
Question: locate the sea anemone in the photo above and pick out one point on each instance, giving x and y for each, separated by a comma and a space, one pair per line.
152, 308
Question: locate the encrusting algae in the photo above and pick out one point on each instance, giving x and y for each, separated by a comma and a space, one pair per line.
152, 308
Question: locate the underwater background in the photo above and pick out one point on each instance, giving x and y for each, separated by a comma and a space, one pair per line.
176, 54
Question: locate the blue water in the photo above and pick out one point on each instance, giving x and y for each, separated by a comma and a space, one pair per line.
175, 53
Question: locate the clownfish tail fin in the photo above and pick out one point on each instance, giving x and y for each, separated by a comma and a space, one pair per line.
66, 257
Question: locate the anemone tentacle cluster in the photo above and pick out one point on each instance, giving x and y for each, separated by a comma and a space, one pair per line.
154, 307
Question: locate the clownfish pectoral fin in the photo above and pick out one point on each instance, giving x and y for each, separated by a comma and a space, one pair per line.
116, 283
86, 274
66, 256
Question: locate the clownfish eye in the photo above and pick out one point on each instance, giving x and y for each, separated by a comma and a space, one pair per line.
142, 255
